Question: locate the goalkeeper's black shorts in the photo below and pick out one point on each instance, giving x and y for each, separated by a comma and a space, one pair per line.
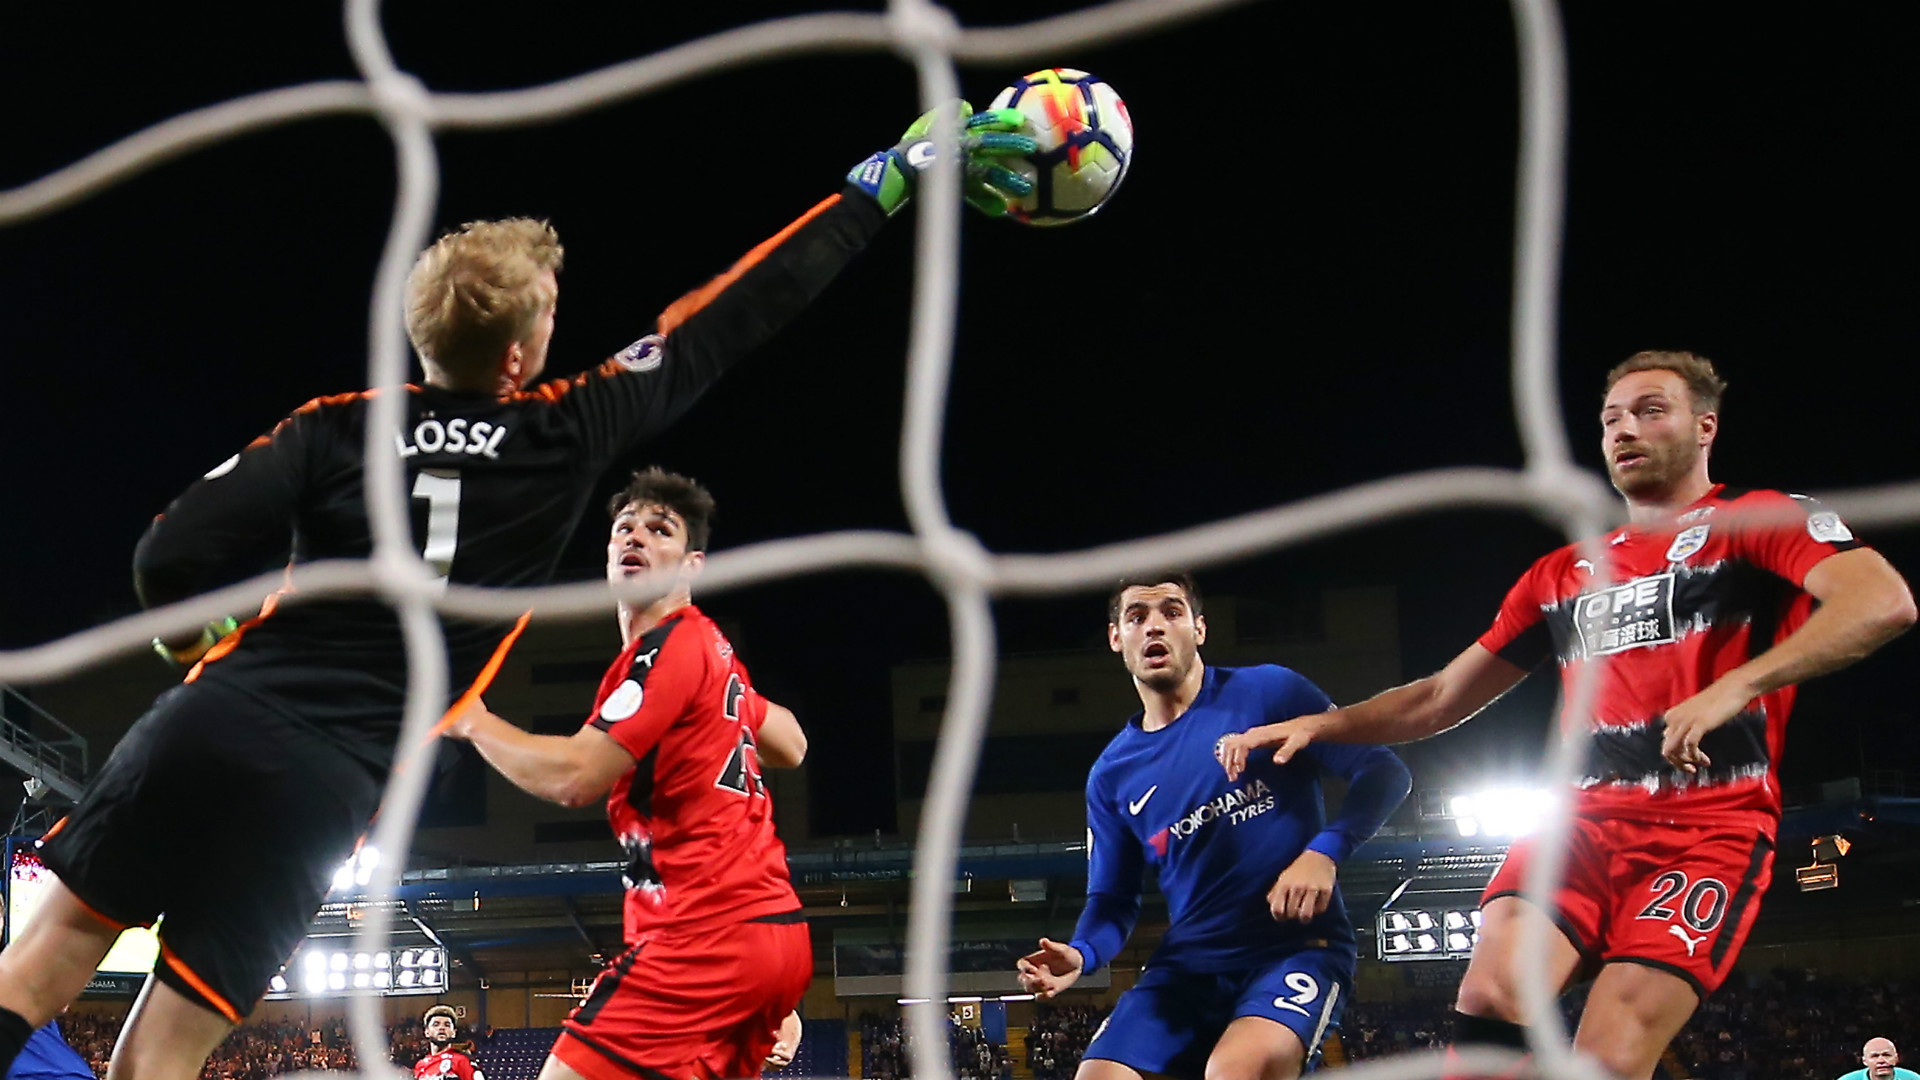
228, 819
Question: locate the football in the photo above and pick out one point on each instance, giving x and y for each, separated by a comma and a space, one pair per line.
1086, 144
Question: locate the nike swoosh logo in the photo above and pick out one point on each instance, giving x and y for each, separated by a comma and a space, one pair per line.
1135, 807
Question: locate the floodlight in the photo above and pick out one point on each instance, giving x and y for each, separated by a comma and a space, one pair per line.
1394, 922
382, 979
277, 984
361, 961
430, 958
407, 978
1455, 920
362, 980
1503, 812
336, 981
315, 980
1425, 943
1459, 942
409, 958
338, 961
429, 978
315, 960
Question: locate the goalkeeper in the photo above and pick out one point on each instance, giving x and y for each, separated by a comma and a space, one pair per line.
264, 768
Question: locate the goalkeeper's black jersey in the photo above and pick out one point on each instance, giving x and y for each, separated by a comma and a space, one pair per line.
498, 484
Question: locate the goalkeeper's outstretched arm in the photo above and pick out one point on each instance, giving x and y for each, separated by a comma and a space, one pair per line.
645, 388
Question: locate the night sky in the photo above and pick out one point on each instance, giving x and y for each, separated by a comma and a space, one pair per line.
1303, 284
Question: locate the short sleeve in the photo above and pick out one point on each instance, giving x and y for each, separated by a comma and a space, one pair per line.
1811, 533
1519, 632
665, 673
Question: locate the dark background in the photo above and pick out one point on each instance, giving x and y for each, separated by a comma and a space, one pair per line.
1304, 284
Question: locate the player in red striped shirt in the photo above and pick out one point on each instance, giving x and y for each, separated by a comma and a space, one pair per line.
444, 1062
1707, 610
717, 952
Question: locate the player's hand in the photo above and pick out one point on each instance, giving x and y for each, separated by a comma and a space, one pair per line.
190, 651
786, 1042
1304, 889
1287, 738
1050, 969
890, 175
1691, 720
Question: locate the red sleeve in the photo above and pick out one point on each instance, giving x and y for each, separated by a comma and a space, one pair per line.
1812, 533
753, 708
1519, 632
666, 672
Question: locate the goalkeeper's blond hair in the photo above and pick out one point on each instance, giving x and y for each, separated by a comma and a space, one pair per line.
477, 290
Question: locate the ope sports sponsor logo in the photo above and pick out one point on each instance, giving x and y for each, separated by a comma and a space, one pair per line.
1628, 616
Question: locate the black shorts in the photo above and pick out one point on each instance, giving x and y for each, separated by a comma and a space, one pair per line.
229, 819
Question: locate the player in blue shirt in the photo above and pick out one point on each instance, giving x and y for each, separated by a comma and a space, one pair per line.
1258, 958
46, 1056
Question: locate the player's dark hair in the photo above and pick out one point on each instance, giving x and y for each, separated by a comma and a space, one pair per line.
440, 1010
1136, 581
1704, 385
655, 486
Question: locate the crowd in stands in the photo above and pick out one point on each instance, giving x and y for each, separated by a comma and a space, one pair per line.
884, 1051
1784, 1025
255, 1051
1057, 1037
1787, 1025
1376, 1029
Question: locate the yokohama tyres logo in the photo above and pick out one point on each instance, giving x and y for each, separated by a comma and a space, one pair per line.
1630, 616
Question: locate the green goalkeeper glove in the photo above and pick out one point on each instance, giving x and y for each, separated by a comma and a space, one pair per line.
190, 654
889, 176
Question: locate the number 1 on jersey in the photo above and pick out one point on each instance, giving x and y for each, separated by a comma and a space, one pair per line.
441, 489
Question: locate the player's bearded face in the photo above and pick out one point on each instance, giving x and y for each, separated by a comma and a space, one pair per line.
1158, 635
1650, 435
440, 1031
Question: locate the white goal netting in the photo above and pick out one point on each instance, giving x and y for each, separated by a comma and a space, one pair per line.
966, 574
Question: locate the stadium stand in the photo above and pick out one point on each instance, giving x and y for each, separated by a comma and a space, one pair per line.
823, 1050
513, 1053
1057, 1037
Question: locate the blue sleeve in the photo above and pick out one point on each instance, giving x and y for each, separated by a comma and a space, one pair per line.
46, 1056
1377, 782
1115, 866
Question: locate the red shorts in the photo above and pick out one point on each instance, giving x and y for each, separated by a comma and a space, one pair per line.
1674, 897
691, 1007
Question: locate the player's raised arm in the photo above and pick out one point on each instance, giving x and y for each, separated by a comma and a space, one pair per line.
572, 770
648, 385
1424, 707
